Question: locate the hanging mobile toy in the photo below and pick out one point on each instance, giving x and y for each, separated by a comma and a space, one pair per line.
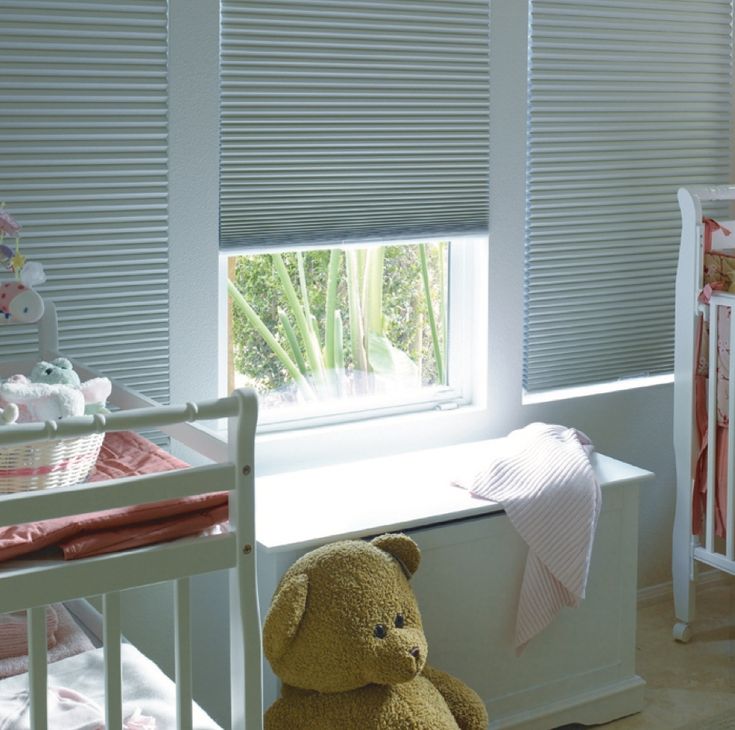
19, 304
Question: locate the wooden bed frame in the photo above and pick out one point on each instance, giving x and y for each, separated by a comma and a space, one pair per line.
33, 584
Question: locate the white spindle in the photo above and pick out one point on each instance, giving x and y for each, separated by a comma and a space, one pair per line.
730, 526
113, 675
711, 429
37, 671
183, 656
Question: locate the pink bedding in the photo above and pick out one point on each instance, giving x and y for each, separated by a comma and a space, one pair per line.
68, 640
122, 455
718, 275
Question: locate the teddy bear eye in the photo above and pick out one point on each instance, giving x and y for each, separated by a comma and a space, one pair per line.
380, 631
400, 621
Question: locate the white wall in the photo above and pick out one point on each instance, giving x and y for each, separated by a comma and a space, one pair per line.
634, 426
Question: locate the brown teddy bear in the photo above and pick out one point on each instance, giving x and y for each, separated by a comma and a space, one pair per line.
344, 634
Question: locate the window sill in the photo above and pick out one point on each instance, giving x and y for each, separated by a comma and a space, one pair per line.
581, 391
299, 510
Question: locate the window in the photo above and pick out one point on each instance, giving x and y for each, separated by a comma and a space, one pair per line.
344, 330
352, 128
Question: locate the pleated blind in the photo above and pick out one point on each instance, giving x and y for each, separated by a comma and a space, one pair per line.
353, 120
628, 100
83, 167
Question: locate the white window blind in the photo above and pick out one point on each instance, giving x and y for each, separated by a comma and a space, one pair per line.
83, 167
353, 120
628, 100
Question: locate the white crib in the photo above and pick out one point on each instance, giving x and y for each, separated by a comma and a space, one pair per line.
33, 584
689, 549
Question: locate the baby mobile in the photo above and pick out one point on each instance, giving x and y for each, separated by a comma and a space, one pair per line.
18, 302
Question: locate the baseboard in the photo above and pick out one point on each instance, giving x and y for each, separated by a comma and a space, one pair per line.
665, 591
599, 706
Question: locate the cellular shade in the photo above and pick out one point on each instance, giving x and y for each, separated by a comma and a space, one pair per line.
628, 101
359, 120
83, 167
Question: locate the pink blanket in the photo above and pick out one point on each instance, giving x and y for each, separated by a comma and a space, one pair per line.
122, 455
68, 640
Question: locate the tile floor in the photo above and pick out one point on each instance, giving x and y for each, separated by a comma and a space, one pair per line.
689, 686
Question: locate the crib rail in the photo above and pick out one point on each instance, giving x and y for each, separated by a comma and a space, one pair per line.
36, 584
25, 507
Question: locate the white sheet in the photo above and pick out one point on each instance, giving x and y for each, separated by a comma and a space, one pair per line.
145, 688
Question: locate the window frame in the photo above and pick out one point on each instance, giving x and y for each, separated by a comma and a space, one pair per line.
464, 255
198, 317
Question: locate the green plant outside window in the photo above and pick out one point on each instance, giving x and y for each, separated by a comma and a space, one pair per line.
310, 326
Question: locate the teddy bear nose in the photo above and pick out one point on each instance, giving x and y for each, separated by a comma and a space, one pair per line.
49, 371
415, 652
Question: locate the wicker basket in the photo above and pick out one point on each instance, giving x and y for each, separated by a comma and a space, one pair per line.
47, 464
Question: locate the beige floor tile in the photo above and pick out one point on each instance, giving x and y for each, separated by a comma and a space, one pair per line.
688, 685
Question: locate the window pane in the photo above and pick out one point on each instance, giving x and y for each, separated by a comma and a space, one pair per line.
330, 330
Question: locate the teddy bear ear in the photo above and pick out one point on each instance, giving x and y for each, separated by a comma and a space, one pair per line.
402, 548
62, 362
285, 614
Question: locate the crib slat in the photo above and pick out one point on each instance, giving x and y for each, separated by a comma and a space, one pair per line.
711, 429
113, 675
730, 527
38, 672
183, 656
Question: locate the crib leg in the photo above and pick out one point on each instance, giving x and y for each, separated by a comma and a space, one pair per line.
682, 571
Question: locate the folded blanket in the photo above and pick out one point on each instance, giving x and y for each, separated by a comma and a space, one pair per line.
122, 455
542, 476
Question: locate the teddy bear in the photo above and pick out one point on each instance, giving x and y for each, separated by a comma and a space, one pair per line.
59, 370
344, 634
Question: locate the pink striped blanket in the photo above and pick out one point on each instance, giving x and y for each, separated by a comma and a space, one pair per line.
542, 476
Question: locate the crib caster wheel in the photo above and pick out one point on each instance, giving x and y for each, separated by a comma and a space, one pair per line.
682, 632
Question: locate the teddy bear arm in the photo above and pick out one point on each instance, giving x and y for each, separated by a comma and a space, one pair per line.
465, 704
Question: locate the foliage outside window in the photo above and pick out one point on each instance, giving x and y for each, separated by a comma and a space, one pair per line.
321, 326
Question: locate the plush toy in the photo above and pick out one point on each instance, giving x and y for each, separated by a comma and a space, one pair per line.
57, 371
41, 401
344, 634
95, 391
19, 304
9, 414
